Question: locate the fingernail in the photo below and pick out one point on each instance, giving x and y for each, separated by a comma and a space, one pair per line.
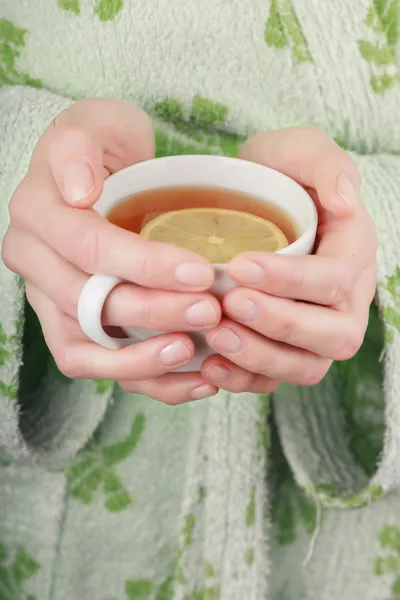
347, 191
241, 308
202, 313
77, 181
175, 354
218, 373
195, 274
247, 271
204, 391
226, 341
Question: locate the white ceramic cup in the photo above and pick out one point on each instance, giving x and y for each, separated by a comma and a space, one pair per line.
208, 171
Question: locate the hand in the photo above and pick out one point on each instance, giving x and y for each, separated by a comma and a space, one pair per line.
55, 242
295, 315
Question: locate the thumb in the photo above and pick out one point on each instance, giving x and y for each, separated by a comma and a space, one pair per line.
315, 161
76, 161
91, 140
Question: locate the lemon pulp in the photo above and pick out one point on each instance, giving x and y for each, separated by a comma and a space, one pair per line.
217, 234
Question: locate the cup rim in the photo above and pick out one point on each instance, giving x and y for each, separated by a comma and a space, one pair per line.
147, 164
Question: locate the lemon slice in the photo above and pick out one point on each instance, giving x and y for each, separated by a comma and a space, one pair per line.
217, 234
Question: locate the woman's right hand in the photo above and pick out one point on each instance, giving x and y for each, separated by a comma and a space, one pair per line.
55, 241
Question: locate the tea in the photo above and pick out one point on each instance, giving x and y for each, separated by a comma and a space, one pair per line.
135, 211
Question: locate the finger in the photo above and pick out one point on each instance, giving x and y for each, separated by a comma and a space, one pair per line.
173, 389
132, 306
43, 269
313, 159
223, 373
91, 139
345, 251
94, 245
352, 240
78, 358
257, 354
321, 280
127, 306
323, 331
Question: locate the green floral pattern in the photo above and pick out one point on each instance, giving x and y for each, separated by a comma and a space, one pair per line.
70, 5
249, 557
144, 589
205, 593
94, 468
209, 591
16, 567
105, 10
187, 538
291, 509
379, 51
333, 498
202, 132
283, 30
251, 509
250, 522
103, 385
388, 563
391, 310
202, 127
10, 348
12, 42
362, 396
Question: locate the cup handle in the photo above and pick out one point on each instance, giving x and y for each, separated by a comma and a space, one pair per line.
90, 308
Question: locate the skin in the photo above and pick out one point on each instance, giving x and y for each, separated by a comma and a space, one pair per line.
288, 318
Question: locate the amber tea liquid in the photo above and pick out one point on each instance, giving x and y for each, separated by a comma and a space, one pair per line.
135, 211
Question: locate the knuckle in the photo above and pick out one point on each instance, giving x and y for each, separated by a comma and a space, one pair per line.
286, 329
142, 267
294, 279
85, 248
66, 362
17, 203
351, 344
315, 374
70, 134
270, 367
8, 254
343, 285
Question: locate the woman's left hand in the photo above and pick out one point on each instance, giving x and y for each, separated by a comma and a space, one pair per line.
291, 317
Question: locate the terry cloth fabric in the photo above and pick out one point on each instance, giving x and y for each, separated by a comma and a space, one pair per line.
107, 496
